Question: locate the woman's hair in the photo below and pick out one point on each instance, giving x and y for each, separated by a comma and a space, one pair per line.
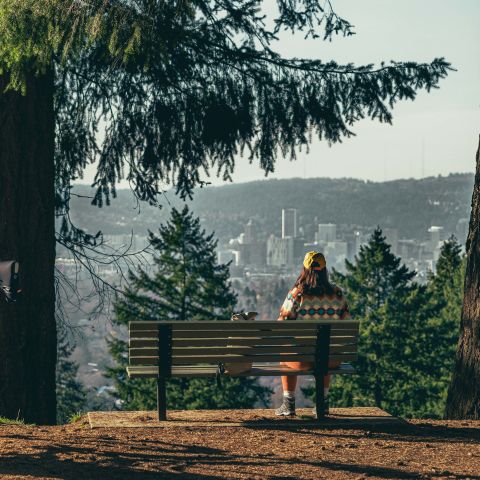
314, 282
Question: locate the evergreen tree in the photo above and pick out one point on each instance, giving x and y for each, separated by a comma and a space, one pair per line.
407, 331
397, 359
446, 289
71, 396
187, 284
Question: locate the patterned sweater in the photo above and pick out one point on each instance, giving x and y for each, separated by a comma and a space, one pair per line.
315, 307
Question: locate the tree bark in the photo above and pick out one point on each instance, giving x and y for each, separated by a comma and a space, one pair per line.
463, 400
27, 234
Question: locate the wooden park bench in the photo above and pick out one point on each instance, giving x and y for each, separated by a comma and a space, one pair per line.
163, 350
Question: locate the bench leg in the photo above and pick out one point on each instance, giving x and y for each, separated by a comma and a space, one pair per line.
161, 398
320, 397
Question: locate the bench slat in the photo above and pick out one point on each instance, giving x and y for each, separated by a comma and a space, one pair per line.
243, 334
258, 370
240, 350
237, 350
277, 329
238, 325
202, 359
211, 342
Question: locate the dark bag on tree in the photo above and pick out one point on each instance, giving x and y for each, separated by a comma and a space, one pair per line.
9, 279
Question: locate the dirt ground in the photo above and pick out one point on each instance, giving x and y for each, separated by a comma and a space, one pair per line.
418, 449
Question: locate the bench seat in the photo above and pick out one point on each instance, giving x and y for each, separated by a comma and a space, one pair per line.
258, 370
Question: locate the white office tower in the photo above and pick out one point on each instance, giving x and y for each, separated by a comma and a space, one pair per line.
249, 233
327, 232
434, 241
289, 222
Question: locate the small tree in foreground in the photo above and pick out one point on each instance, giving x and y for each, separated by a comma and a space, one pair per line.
446, 289
71, 396
187, 284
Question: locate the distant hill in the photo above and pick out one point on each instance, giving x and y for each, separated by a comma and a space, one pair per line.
409, 205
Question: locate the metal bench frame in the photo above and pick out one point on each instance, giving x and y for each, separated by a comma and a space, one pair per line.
321, 365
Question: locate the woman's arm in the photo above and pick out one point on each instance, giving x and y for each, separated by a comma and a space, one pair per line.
289, 309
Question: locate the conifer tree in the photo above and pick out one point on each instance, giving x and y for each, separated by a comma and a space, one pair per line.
71, 395
187, 284
446, 289
396, 359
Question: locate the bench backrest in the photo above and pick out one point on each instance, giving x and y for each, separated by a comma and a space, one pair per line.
212, 342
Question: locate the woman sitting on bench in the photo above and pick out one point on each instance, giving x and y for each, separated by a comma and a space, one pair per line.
312, 298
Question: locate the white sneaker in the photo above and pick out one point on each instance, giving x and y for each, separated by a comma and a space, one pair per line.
287, 408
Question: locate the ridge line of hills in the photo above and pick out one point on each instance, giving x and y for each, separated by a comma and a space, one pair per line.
410, 205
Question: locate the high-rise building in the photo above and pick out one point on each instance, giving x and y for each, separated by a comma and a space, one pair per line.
250, 232
435, 237
433, 244
289, 222
280, 251
327, 232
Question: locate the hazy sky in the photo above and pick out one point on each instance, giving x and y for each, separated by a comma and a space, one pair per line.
441, 127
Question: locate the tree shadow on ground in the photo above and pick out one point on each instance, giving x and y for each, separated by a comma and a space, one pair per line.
145, 459
402, 432
389, 472
93, 460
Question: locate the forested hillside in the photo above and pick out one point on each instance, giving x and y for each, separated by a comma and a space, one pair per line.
409, 205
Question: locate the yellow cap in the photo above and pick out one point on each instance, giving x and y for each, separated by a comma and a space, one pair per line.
314, 257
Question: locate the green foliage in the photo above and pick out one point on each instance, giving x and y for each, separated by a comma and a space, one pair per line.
390, 308
446, 288
407, 331
10, 421
187, 284
71, 396
76, 417
38, 35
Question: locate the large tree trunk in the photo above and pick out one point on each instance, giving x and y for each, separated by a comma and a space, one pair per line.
464, 393
27, 234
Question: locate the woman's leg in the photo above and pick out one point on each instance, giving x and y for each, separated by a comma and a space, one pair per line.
289, 382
